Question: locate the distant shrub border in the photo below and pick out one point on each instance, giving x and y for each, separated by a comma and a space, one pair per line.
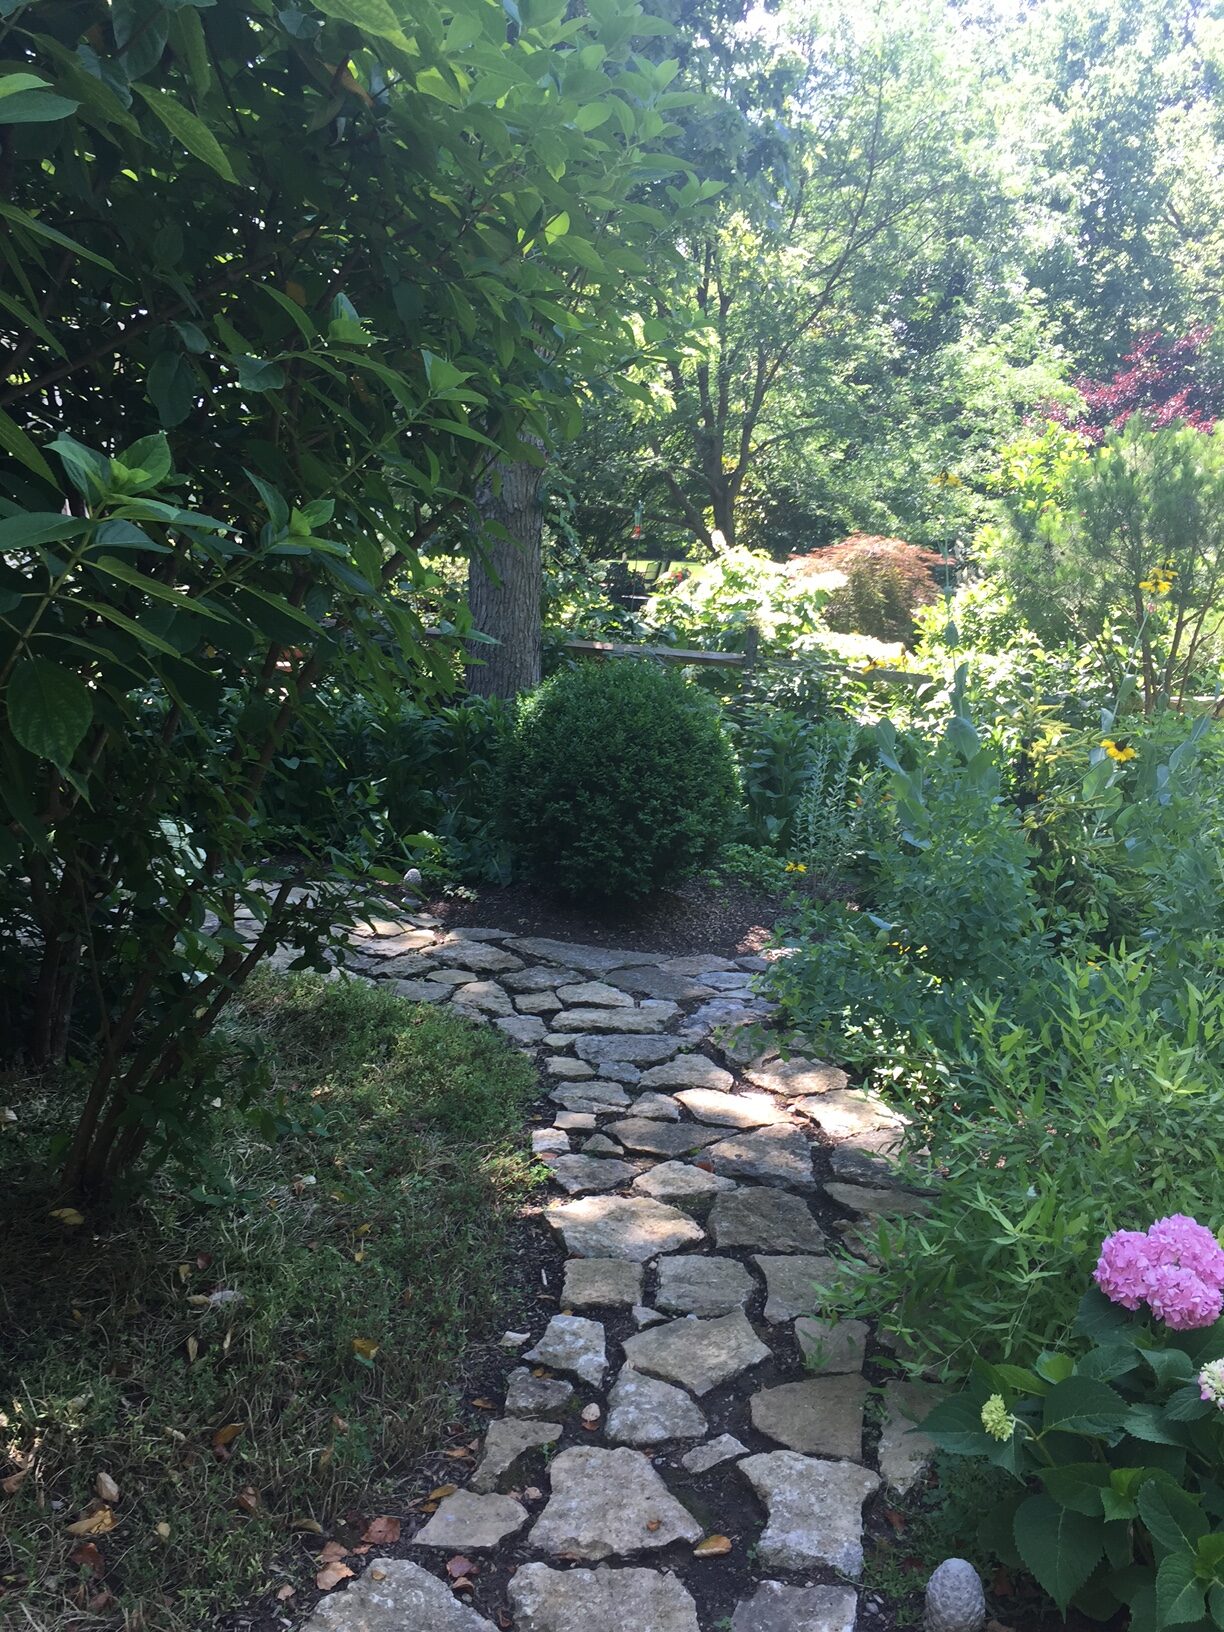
887, 580
620, 780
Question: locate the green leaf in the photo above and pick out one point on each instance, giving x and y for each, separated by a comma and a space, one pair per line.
1173, 1518
187, 129
153, 587
1082, 1405
32, 107
1077, 1485
442, 375
257, 374
1148, 1422
956, 1426
1180, 1595
1101, 1320
49, 709
1216, 1602
38, 527
371, 16
31, 223
171, 384
150, 457
15, 441
88, 470
1054, 1367
1060, 1548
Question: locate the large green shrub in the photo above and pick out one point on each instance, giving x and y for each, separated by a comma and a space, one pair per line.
621, 779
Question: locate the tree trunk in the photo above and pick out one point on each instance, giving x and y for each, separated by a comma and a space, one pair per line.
505, 583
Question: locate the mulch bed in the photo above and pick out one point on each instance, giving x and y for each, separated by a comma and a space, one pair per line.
727, 920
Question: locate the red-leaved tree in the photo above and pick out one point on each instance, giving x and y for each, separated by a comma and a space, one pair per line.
1168, 379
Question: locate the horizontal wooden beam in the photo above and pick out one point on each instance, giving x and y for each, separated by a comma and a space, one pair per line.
667, 654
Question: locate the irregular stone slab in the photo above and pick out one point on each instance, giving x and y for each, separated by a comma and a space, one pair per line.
887, 1203
704, 1457
681, 1183
549, 1142
853, 1118
792, 1284
856, 1166
528, 1396
468, 1523
455, 937
725, 1013
731, 1110
601, 1283
620, 1021
657, 983
608, 1504
606, 1096
476, 955
580, 1175
451, 977
596, 992
765, 1218
537, 1003
644, 1411
777, 1608
416, 991
793, 1078
698, 1354
569, 1070
661, 1138
688, 1071
590, 960
814, 1510
619, 1071
394, 1595
539, 980
601, 1600
658, 1107
779, 1155
599, 1050
904, 1452
820, 1416
384, 939
600, 1145
734, 983
576, 1121
699, 963
832, 1346
487, 996
690, 1284
506, 1444
643, 1317
573, 1344
631, 1227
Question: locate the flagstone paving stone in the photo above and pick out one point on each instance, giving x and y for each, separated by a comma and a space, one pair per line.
697, 1354
814, 1510
831, 1346
505, 1445
608, 1503
775, 1607
688, 1071
820, 1416
777, 1155
681, 1183
601, 1283
633, 1227
644, 1411
792, 1283
713, 1454
695, 1284
599, 1600
731, 1110
580, 1175
755, 1217
469, 1523
529, 1396
572, 1344
661, 1138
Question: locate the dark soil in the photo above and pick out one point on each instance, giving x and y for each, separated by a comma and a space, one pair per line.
728, 920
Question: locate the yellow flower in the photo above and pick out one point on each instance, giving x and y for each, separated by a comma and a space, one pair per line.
795, 867
997, 1420
1119, 755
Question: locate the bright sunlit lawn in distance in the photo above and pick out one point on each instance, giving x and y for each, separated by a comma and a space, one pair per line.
241, 1368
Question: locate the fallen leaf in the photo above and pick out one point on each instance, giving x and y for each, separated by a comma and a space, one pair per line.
331, 1576
89, 1558
463, 1585
365, 1347
94, 1524
339, 1424
285, 1593
13, 1483
459, 1453
713, 1547
331, 1551
68, 1216
377, 1574
203, 1260
247, 1499
897, 1520
311, 1526
100, 1601
106, 1487
485, 1405
382, 1531
325, 1459
457, 1566
163, 1530
654, 1524
184, 1272
442, 1492
193, 1349
225, 1436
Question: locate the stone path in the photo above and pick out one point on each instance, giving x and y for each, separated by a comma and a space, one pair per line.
685, 1411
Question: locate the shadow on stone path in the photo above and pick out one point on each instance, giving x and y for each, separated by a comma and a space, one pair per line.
702, 1180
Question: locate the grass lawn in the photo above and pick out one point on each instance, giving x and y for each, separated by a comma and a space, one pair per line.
246, 1365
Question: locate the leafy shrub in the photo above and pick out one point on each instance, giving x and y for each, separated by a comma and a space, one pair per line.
739, 601
753, 867
1116, 1449
886, 581
621, 779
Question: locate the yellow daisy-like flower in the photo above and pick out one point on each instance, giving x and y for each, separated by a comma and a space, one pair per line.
1117, 754
796, 867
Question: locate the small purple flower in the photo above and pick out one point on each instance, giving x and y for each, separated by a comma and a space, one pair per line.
1122, 1269
1176, 1267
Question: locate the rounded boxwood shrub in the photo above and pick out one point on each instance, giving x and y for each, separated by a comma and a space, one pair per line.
621, 779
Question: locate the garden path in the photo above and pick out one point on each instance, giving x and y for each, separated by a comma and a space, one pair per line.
707, 1444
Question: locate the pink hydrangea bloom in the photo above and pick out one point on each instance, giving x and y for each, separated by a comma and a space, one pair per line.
1122, 1270
1176, 1268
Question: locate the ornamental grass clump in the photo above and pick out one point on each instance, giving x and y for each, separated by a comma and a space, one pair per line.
620, 781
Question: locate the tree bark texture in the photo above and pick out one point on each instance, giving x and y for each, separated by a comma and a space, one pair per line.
505, 583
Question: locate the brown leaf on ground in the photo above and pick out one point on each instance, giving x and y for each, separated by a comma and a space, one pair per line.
382, 1531
310, 1526
458, 1453
96, 1523
654, 1524
441, 1492
248, 1499
459, 1566
284, 1594
331, 1576
463, 1585
89, 1558
896, 1520
997, 1626
331, 1551
1001, 1586
713, 1547
100, 1601
485, 1405
13, 1483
